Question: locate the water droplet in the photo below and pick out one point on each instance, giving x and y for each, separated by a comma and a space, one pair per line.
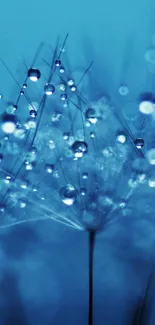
63, 97
66, 135
68, 194
70, 82
57, 63
139, 143
8, 179
83, 191
85, 175
49, 168
35, 188
22, 203
121, 137
28, 165
8, 123
61, 70
49, 89
141, 178
62, 87
51, 144
146, 107
70, 140
24, 184
33, 113
92, 134
65, 104
2, 207
34, 74
123, 90
122, 204
6, 138
79, 148
73, 88
151, 182
91, 115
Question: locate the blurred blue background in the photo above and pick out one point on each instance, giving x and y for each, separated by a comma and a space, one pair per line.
44, 266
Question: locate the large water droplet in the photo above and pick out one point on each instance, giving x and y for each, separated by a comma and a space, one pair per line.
34, 74
91, 115
68, 194
79, 148
139, 143
146, 107
49, 89
8, 123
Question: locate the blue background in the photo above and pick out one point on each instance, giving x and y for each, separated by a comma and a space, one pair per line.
44, 266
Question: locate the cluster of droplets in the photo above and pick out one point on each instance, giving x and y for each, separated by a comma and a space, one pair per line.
68, 159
